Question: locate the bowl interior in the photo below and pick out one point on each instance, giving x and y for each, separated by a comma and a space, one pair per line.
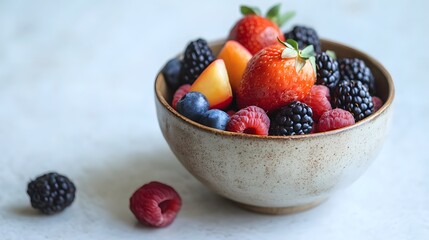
383, 80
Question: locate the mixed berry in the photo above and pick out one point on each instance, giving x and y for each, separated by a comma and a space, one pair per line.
268, 82
155, 204
51, 192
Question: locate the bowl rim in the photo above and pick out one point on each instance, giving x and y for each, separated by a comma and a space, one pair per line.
384, 107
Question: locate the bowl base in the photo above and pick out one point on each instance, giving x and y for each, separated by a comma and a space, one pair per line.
280, 210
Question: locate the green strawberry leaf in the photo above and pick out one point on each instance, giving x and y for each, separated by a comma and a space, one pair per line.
248, 10
289, 53
299, 64
308, 52
273, 13
292, 43
313, 63
331, 54
281, 20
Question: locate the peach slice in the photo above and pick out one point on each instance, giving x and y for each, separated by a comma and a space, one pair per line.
236, 58
214, 84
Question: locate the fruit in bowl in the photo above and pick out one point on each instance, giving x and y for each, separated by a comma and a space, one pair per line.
299, 124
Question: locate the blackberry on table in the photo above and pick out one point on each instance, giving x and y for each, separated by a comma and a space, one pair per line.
356, 69
353, 96
51, 193
197, 57
305, 36
327, 69
292, 119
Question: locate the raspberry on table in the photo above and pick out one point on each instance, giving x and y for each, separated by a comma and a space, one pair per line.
155, 204
180, 92
354, 97
318, 100
250, 120
197, 57
335, 119
292, 119
51, 193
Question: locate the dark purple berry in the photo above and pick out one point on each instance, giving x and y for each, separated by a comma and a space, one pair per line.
193, 105
171, 72
51, 193
215, 118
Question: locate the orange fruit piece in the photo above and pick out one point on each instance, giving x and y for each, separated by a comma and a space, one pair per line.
214, 84
236, 57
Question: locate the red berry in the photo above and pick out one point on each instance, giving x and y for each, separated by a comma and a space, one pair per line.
377, 103
230, 112
155, 204
250, 120
271, 81
180, 92
318, 100
335, 119
256, 32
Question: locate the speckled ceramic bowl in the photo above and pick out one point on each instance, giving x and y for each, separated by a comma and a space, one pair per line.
272, 174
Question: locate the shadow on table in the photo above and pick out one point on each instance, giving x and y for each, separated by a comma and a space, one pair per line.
110, 186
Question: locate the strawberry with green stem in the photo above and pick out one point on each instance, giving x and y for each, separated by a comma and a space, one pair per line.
277, 75
255, 31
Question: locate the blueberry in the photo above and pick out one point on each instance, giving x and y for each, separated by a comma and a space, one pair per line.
193, 105
171, 72
215, 118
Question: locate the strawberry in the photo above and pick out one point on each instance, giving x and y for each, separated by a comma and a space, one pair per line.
255, 32
276, 76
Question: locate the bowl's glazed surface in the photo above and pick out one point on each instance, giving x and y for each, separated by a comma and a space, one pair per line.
274, 174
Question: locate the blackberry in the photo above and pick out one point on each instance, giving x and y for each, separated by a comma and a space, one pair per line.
356, 69
305, 36
51, 193
197, 57
292, 119
354, 97
328, 73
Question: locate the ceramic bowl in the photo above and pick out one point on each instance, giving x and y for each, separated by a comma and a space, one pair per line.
278, 174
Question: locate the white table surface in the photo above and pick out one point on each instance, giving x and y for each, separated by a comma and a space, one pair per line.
76, 96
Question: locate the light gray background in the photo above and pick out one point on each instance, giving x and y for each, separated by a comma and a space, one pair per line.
76, 96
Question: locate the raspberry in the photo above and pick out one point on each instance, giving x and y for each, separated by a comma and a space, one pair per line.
318, 100
230, 112
335, 119
250, 120
377, 103
155, 204
180, 92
